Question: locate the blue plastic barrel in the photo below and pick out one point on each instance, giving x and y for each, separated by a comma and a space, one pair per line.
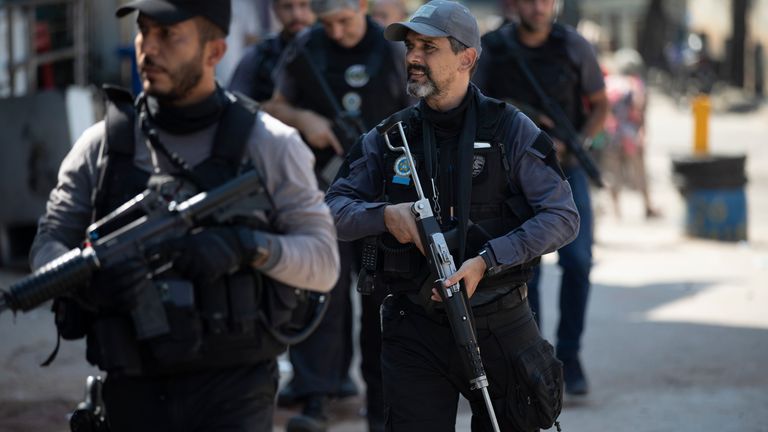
713, 189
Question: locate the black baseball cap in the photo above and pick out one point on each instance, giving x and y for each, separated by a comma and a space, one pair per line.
173, 11
439, 18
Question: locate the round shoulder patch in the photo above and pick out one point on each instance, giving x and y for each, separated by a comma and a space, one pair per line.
402, 167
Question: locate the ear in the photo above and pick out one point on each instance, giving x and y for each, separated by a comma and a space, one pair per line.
467, 59
363, 5
214, 51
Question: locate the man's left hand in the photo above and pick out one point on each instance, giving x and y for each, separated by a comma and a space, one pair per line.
471, 272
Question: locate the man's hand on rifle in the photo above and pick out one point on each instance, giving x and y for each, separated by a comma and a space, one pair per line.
318, 131
471, 272
209, 253
401, 223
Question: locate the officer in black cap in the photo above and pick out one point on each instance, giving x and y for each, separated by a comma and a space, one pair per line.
497, 190
254, 74
213, 365
337, 80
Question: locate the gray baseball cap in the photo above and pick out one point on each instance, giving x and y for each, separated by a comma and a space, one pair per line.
439, 18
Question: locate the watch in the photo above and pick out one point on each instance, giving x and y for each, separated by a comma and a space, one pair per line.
485, 254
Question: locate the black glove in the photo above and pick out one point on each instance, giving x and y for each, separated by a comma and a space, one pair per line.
210, 254
118, 285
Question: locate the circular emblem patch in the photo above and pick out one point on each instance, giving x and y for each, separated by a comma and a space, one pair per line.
402, 168
478, 163
356, 76
351, 102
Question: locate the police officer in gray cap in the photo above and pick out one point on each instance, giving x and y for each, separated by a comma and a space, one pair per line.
495, 185
213, 366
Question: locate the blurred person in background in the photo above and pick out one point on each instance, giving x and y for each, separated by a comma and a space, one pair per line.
339, 75
566, 68
250, 21
623, 157
386, 12
253, 76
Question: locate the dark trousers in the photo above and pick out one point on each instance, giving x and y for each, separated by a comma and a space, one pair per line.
322, 361
575, 259
423, 374
370, 348
238, 399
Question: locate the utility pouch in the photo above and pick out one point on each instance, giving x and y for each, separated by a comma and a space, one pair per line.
280, 302
536, 393
72, 321
243, 303
149, 319
366, 281
184, 340
399, 260
215, 306
115, 349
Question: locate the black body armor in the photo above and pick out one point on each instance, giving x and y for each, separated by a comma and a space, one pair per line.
549, 63
354, 76
211, 326
496, 206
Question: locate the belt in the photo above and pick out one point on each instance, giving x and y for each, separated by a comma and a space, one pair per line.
507, 301
485, 315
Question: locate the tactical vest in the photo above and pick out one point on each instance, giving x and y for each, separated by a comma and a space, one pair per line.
496, 205
218, 326
269, 52
358, 80
549, 63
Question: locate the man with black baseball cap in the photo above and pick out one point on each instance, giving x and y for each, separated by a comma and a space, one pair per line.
493, 180
219, 12
182, 332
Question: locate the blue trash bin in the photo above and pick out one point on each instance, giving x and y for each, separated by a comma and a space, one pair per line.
713, 189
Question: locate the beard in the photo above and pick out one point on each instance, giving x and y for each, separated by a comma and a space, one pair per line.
184, 77
422, 89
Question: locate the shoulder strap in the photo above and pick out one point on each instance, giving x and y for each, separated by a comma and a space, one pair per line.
231, 138
120, 116
118, 140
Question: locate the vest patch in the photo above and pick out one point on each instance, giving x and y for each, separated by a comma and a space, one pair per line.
402, 171
356, 76
352, 102
478, 164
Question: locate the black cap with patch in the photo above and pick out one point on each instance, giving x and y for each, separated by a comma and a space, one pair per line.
173, 11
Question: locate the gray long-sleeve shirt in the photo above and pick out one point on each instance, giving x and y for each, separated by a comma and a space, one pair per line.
309, 255
353, 199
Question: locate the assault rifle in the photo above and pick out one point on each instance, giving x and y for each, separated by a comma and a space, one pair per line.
563, 127
137, 228
346, 126
441, 263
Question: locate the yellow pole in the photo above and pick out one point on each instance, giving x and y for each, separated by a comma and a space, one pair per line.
701, 108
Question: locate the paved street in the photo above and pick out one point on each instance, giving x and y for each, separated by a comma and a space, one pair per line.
677, 335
